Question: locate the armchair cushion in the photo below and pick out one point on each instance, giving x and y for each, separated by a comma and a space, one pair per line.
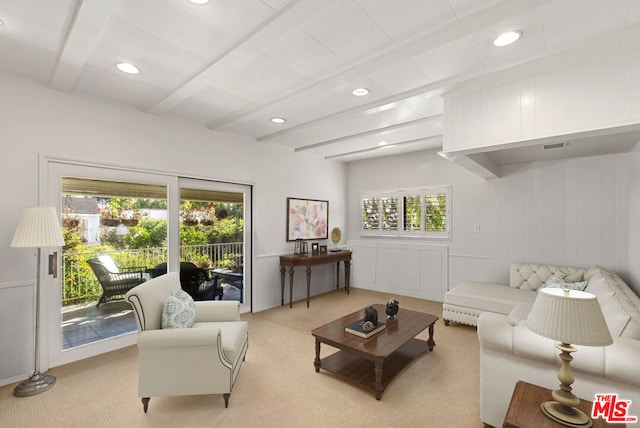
179, 310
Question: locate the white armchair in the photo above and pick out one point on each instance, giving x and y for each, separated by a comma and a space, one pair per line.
202, 359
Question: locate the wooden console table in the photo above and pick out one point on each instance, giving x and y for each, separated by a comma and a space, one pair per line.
308, 261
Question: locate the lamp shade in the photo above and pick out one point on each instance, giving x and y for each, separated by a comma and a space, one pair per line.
38, 227
569, 316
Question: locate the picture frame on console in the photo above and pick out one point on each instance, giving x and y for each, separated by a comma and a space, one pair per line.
307, 219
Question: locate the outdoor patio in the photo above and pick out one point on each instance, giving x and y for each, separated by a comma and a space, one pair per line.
83, 324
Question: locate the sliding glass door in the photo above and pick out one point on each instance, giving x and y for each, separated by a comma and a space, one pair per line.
125, 227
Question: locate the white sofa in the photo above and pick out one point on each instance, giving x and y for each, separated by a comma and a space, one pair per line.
466, 301
509, 351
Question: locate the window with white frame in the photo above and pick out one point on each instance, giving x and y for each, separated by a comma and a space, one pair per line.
419, 212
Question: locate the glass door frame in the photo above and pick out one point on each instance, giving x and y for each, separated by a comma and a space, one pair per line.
246, 190
51, 169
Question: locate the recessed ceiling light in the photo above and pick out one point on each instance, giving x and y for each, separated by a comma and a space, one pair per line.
125, 67
359, 92
199, 1
278, 120
507, 38
382, 143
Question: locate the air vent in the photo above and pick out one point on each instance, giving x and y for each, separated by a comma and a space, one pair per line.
554, 146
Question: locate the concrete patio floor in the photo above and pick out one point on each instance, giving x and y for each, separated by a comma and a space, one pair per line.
83, 324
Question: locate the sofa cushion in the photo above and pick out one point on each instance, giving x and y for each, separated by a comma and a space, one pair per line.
488, 297
178, 311
558, 281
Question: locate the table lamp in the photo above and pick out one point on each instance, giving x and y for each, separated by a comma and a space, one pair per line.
39, 227
570, 317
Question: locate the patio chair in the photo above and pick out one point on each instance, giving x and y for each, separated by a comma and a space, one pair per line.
115, 280
194, 280
203, 356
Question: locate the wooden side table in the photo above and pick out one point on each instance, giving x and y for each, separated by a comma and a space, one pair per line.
524, 409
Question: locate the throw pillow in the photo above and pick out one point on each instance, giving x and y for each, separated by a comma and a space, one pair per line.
577, 276
179, 310
557, 281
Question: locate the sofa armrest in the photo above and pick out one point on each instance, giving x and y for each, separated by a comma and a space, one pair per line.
217, 310
495, 332
178, 338
519, 313
621, 359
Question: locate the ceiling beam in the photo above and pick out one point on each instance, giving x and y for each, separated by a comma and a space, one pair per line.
82, 35
426, 42
436, 140
276, 25
371, 132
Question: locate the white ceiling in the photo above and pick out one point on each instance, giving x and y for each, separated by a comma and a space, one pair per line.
232, 65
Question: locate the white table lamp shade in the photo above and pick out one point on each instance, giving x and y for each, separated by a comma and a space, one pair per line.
38, 227
572, 317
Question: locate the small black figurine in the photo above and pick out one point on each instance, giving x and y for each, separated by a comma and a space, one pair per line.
392, 308
370, 314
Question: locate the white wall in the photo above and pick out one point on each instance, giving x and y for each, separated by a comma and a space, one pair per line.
573, 212
593, 92
634, 224
36, 120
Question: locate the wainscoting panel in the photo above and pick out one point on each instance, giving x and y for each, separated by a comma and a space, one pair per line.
410, 277
400, 268
16, 331
363, 262
387, 268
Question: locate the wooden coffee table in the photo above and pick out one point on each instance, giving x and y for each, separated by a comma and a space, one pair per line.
374, 362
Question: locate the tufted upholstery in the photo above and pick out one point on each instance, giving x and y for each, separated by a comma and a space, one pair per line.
531, 277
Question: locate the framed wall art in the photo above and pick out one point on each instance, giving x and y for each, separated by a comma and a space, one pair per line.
307, 219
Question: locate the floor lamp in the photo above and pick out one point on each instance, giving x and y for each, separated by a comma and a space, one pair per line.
570, 317
39, 227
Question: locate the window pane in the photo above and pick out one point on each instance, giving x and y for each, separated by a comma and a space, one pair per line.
370, 214
390, 213
435, 213
412, 215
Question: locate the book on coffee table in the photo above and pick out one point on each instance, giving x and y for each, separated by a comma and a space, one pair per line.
357, 329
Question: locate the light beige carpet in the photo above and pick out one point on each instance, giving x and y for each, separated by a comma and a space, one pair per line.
277, 385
